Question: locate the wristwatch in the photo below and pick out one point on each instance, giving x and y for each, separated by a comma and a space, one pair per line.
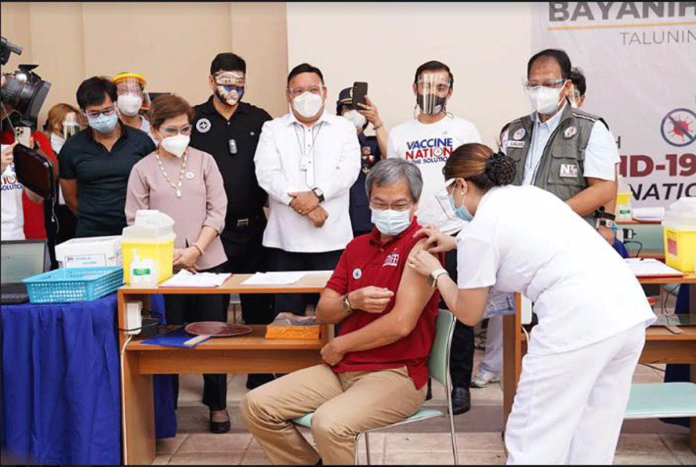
320, 194
608, 223
346, 305
432, 278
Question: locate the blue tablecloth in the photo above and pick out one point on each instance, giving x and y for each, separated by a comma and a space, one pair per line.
61, 401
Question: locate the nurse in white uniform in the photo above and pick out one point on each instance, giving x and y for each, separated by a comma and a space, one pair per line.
577, 373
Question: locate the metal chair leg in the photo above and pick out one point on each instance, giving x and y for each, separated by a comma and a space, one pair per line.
455, 451
367, 448
356, 457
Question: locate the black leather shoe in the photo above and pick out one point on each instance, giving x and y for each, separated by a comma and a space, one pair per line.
219, 427
255, 380
461, 400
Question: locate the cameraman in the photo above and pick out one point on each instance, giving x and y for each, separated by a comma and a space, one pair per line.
29, 205
12, 190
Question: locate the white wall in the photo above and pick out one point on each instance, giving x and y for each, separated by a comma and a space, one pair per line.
486, 45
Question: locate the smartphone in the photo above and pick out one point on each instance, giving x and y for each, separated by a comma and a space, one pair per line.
23, 135
359, 93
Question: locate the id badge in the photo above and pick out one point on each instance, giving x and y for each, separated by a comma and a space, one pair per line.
233, 146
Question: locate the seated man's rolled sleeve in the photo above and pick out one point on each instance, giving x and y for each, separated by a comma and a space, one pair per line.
216, 197
339, 279
477, 262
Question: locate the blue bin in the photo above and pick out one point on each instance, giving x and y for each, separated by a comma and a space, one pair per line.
73, 284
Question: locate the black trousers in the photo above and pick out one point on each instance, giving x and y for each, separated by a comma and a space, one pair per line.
462, 351
246, 255
280, 260
182, 309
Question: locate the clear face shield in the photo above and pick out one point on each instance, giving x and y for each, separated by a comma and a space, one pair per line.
432, 89
71, 125
230, 86
131, 96
445, 201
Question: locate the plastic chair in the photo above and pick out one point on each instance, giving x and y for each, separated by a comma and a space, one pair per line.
438, 369
661, 400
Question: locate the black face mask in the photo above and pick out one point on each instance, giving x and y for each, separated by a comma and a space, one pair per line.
431, 104
221, 96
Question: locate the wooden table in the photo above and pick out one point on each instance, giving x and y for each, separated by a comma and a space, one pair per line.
661, 346
251, 353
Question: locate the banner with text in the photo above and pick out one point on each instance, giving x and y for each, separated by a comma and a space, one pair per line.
639, 60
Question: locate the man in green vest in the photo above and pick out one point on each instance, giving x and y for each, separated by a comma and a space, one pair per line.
559, 148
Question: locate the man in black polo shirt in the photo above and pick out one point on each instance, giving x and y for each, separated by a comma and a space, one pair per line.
229, 129
95, 164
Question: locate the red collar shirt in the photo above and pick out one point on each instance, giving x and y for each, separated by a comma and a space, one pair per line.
367, 261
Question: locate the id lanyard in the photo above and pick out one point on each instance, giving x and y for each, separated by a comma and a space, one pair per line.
307, 157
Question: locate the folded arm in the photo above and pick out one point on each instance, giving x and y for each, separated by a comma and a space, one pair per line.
347, 169
269, 167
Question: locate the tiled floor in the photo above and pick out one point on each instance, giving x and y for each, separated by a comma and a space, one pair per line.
647, 442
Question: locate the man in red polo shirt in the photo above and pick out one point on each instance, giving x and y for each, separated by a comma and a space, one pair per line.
375, 370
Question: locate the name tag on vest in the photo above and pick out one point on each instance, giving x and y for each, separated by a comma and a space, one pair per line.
568, 171
515, 144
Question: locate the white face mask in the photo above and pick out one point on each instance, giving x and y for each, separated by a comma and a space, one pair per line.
175, 145
391, 222
56, 143
308, 104
129, 104
544, 99
356, 117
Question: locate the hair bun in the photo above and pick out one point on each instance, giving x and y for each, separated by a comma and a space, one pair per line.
501, 169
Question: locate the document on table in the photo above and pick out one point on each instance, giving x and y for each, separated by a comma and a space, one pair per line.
275, 278
650, 267
185, 278
649, 214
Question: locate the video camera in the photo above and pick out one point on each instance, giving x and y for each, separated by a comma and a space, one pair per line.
23, 91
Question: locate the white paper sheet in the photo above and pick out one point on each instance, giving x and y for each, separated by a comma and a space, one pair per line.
649, 214
185, 278
649, 267
275, 278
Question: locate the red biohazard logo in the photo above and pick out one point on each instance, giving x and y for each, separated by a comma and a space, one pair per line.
679, 127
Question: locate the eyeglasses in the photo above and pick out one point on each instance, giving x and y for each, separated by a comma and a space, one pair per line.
426, 86
173, 131
294, 92
396, 206
107, 112
230, 78
553, 83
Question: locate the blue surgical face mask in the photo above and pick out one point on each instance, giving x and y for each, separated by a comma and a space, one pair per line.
391, 222
461, 212
103, 123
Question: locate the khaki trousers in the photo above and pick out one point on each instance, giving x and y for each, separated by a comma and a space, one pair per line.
344, 405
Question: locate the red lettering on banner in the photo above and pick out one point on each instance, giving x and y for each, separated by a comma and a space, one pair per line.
636, 171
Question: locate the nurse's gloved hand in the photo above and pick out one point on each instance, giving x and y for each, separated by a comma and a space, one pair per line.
371, 299
436, 241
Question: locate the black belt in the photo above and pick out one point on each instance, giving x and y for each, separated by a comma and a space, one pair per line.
245, 222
